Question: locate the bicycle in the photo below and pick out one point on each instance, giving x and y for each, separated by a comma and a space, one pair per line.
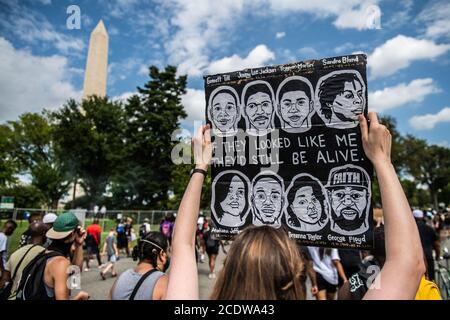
443, 276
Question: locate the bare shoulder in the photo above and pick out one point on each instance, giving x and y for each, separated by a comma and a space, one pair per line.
160, 289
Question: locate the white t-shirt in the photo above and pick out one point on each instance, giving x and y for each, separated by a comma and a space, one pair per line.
3, 247
325, 266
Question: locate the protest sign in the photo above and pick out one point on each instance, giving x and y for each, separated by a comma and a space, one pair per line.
287, 151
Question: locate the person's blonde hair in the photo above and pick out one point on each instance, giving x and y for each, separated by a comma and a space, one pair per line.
262, 264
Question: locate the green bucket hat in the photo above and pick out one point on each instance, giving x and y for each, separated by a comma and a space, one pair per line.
64, 225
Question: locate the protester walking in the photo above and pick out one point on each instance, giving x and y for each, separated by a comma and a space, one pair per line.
430, 241
147, 281
45, 277
110, 248
212, 250
93, 240
5, 234
21, 258
328, 269
399, 278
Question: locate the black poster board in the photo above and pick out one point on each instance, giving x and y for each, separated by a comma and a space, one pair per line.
287, 151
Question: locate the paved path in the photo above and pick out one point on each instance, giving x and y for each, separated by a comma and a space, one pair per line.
98, 289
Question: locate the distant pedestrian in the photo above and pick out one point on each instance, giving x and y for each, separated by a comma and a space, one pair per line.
212, 250
110, 248
144, 228
5, 234
25, 238
328, 270
430, 241
93, 240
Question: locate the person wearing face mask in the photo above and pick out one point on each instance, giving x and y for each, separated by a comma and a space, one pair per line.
46, 276
147, 281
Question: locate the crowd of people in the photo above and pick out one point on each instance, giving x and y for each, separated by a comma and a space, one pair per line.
260, 263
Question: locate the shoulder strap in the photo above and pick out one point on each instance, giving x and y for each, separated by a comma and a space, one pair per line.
21, 260
141, 280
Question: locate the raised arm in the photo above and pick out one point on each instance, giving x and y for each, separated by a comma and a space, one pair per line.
400, 276
183, 278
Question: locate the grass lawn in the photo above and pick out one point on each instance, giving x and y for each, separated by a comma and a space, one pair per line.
106, 225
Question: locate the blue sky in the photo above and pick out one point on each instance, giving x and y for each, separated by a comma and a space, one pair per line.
42, 61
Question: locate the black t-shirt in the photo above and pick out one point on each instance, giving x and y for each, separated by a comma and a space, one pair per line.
428, 237
209, 241
368, 270
349, 258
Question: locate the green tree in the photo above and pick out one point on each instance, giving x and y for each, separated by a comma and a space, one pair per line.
152, 117
90, 139
397, 143
429, 165
25, 196
9, 166
34, 148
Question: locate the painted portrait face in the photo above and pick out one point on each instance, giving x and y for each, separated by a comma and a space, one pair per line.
350, 102
348, 202
306, 206
295, 108
259, 109
268, 200
234, 203
224, 112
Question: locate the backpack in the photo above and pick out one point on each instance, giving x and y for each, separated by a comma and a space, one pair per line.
6, 291
120, 228
31, 285
90, 241
142, 230
210, 242
165, 228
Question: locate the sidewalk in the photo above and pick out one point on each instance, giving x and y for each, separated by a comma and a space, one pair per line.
98, 289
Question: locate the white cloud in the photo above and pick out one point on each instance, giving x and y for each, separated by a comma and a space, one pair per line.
365, 16
429, 121
344, 47
200, 27
399, 52
280, 35
194, 104
118, 8
258, 57
30, 83
34, 28
436, 18
124, 96
308, 53
402, 94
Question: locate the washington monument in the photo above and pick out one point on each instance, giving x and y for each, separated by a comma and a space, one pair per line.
97, 63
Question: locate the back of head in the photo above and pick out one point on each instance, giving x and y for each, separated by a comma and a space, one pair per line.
37, 229
149, 248
262, 263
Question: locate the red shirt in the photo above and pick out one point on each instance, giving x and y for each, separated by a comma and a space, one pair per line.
95, 230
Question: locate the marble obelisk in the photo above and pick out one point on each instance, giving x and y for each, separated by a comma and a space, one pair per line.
97, 63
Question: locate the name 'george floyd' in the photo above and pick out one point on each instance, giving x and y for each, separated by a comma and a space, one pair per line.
287, 151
